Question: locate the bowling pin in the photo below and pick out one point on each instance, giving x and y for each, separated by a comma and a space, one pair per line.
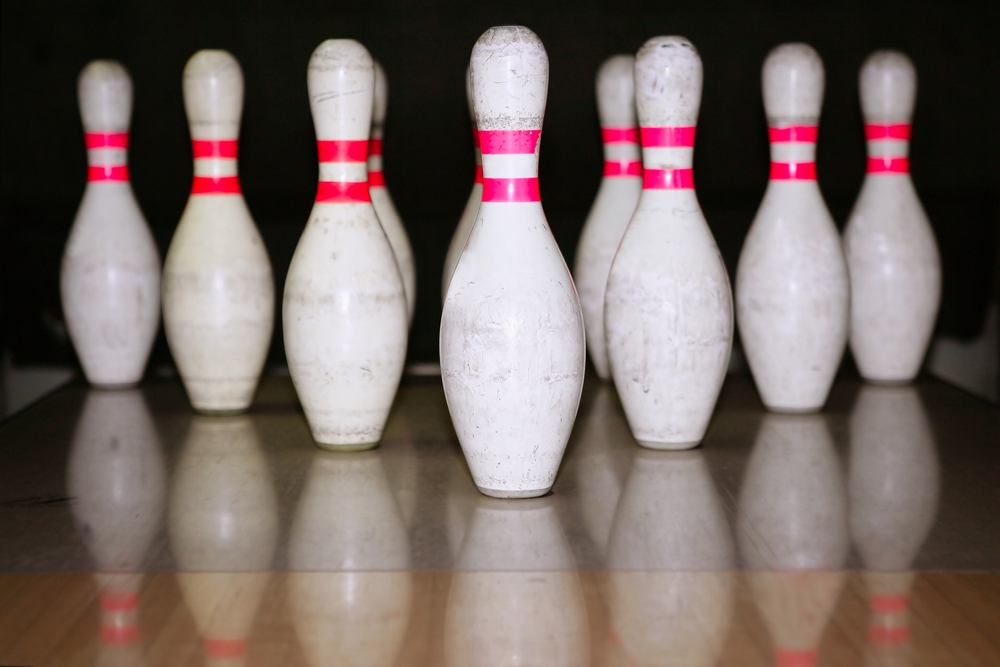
615, 201
218, 289
668, 310
471, 211
791, 281
110, 277
384, 208
892, 256
344, 309
512, 338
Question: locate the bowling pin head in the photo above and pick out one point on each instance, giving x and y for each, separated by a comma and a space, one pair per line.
793, 81
213, 95
380, 101
510, 79
105, 93
341, 83
888, 85
668, 77
616, 92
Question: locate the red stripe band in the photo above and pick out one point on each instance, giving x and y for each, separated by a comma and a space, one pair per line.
221, 148
889, 604
894, 636
117, 601
892, 131
793, 171
479, 174
342, 192
888, 165
117, 172
805, 658
668, 179
105, 139
343, 151
622, 168
505, 190
210, 185
119, 635
667, 137
794, 134
374, 147
619, 135
376, 179
506, 142
225, 648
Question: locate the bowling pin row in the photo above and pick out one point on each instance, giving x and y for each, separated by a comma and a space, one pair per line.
350, 290
655, 297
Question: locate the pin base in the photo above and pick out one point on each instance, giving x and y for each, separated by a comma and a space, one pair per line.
355, 447
888, 383
513, 493
793, 411
671, 446
111, 386
220, 413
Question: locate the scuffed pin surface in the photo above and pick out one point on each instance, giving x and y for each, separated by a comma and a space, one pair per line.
512, 338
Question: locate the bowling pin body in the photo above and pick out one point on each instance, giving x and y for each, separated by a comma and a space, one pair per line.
791, 282
891, 252
615, 202
382, 202
668, 311
512, 337
344, 309
218, 288
110, 277
471, 211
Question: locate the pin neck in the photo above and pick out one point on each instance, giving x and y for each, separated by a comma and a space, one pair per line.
343, 171
667, 156
510, 165
107, 156
215, 167
622, 154
793, 152
888, 146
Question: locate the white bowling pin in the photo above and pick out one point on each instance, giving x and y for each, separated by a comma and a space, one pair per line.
512, 338
218, 289
670, 590
344, 309
223, 528
615, 201
350, 590
384, 208
791, 282
471, 211
110, 277
891, 253
668, 311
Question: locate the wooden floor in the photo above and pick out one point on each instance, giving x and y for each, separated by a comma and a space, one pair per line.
494, 618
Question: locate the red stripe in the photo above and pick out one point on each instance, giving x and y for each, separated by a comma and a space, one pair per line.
878, 634
793, 171
508, 142
622, 168
888, 165
889, 604
890, 131
805, 658
619, 135
794, 134
375, 146
479, 174
221, 148
667, 137
225, 648
118, 635
376, 179
343, 151
118, 172
504, 190
222, 185
668, 179
118, 601
342, 192
106, 139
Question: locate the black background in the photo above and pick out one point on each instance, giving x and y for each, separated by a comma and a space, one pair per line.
424, 48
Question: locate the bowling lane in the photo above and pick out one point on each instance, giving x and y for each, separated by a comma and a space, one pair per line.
133, 527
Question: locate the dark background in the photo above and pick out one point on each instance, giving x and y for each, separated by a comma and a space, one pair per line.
428, 150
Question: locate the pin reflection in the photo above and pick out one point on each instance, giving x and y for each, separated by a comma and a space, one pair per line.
516, 598
793, 532
894, 486
117, 478
671, 590
223, 532
351, 592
